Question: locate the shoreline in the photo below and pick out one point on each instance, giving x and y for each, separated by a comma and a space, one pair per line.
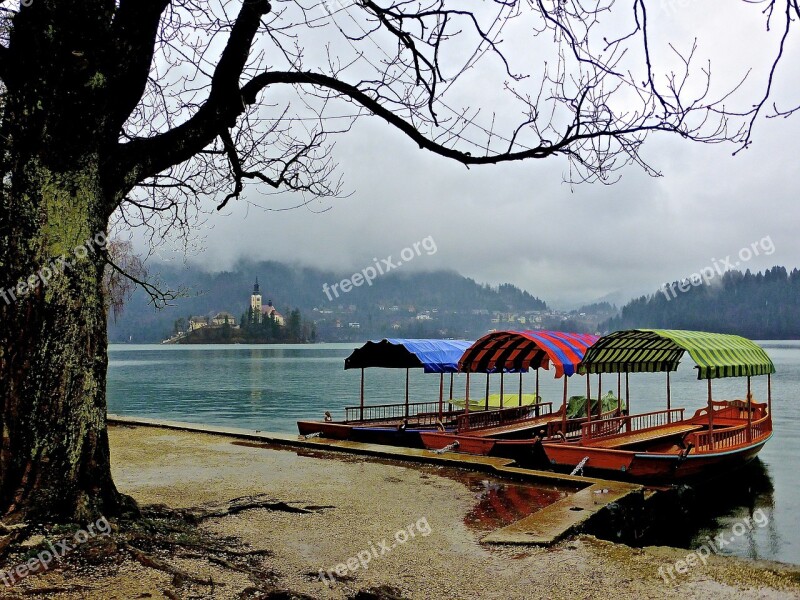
334, 510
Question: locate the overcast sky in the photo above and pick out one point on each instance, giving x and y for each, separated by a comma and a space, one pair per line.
520, 223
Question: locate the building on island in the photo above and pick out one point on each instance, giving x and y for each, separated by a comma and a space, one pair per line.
258, 312
224, 318
197, 323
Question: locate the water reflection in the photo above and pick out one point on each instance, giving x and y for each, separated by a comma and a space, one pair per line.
740, 508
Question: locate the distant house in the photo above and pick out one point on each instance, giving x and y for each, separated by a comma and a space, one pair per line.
197, 323
223, 318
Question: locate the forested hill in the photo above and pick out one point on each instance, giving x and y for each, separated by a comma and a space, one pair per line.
758, 306
390, 296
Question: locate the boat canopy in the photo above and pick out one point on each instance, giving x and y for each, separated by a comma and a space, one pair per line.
517, 351
652, 350
434, 356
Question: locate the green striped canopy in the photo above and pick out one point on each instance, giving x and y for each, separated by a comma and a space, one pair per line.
652, 350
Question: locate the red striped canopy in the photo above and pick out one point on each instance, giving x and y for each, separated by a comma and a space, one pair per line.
515, 351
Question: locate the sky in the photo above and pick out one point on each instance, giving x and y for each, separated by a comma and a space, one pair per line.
521, 223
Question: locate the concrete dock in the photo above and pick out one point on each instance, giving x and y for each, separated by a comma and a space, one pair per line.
543, 527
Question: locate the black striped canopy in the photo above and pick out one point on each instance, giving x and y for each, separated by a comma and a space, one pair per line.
652, 350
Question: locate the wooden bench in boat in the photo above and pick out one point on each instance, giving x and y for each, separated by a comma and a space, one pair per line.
514, 427
647, 435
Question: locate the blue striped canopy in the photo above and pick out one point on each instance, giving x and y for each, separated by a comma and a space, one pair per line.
433, 356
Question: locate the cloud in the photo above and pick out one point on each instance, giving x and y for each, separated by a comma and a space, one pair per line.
520, 223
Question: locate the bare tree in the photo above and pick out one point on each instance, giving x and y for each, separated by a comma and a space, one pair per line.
137, 112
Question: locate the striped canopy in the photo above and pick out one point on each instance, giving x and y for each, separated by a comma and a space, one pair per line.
651, 350
434, 356
516, 351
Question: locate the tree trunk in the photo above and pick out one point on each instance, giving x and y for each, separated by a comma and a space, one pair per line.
54, 459
54, 209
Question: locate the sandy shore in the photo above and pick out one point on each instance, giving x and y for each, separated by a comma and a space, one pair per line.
352, 508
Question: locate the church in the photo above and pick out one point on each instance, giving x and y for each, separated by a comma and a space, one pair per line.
259, 313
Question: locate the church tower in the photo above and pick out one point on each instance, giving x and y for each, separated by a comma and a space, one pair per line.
255, 304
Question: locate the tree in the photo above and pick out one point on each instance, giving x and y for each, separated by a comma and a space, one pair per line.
128, 112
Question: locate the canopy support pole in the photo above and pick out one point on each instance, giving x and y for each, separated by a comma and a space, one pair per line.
588, 399
710, 418
564, 409
466, 400
501, 389
520, 388
361, 411
407, 370
619, 394
769, 394
599, 394
450, 404
441, 394
536, 400
669, 401
749, 412
486, 405
627, 395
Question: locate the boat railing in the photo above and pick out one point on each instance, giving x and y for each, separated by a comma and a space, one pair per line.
388, 412
732, 409
727, 438
627, 424
554, 428
495, 418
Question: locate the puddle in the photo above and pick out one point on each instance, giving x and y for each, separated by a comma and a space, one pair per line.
500, 502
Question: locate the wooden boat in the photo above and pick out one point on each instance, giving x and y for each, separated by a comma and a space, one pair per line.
395, 424
513, 351
666, 446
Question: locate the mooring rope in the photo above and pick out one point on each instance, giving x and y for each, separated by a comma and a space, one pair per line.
448, 448
578, 470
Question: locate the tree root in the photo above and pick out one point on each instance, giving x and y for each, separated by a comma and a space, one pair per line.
179, 576
238, 505
155, 533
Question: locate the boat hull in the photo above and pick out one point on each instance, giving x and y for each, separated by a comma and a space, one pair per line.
649, 466
388, 436
327, 429
482, 446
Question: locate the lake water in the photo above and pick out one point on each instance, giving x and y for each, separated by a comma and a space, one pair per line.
269, 388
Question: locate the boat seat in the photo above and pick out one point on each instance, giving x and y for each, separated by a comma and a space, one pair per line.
722, 421
513, 427
648, 435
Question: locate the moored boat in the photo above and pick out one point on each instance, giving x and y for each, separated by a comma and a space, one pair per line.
666, 445
515, 352
398, 423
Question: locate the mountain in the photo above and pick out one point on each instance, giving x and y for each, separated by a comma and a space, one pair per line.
758, 306
411, 304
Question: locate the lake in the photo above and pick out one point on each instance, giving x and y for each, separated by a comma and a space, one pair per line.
269, 388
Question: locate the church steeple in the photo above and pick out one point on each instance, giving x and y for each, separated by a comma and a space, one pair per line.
255, 304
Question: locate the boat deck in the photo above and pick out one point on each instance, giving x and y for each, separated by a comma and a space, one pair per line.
511, 427
649, 435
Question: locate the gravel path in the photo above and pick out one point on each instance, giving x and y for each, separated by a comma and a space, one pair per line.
357, 509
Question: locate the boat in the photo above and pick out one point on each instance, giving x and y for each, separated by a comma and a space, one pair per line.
668, 445
399, 423
513, 435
